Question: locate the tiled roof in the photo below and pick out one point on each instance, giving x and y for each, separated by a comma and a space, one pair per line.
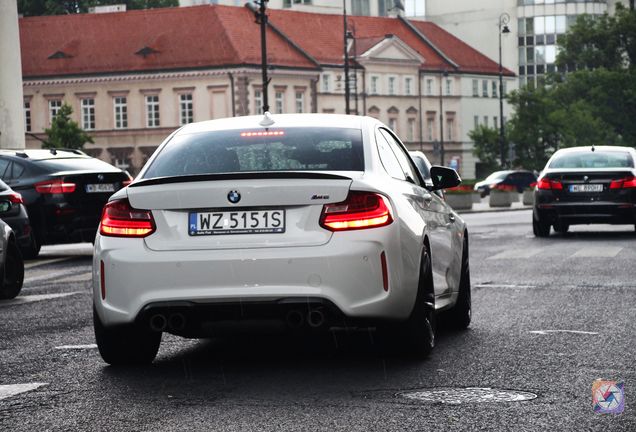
216, 36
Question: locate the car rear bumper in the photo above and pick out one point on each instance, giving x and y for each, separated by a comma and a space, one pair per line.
586, 213
346, 272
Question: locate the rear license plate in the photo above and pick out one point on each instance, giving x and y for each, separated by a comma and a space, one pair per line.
586, 188
236, 222
100, 187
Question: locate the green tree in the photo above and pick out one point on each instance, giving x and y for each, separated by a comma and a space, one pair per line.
60, 7
65, 132
486, 147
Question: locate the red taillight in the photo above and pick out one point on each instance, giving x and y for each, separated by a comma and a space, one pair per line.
15, 198
119, 219
57, 186
360, 210
102, 280
385, 272
546, 183
625, 183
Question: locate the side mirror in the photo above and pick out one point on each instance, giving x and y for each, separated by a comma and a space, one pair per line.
444, 178
5, 206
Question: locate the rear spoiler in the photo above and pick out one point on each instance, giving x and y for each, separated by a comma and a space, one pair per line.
238, 176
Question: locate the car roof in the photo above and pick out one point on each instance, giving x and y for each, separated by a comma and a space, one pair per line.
599, 148
43, 154
279, 121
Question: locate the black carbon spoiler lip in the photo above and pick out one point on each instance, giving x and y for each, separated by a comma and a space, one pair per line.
237, 176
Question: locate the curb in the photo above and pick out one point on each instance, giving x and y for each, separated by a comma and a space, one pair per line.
495, 210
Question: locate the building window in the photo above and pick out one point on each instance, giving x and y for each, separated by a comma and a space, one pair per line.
326, 84
475, 87
475, 122
408, 86
54, 107
258, 102
505, 88
393, 124
450, 128
429, 87
430, 128
88, 113
374, 85
121, 112
279, 102
300, 102
360, 7
27, 116
449, 87
495, 121
494, 89
486, 121
410, 130
186, 114
391, 85
152, 111
484, 88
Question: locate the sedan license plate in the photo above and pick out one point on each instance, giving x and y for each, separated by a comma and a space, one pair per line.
586, 188
100, 187
236, 222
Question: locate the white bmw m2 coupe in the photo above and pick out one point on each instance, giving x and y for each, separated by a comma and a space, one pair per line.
306, 221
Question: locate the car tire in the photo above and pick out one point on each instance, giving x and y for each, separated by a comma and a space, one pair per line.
415, 337
12, 276
125, 345
459, 316
561, 227
540, 229
33, 249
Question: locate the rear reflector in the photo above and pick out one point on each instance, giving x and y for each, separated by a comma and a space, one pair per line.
359, 211
625, 183
546, 183
16, 198
119, 219
385, 272
56, 186
102, 280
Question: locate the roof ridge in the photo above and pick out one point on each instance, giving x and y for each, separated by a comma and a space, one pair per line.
426, 40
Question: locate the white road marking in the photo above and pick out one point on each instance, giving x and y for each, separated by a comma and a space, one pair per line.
598, 252
35, 298
515, 253
545, 332
76, 347
14, 389
45, 262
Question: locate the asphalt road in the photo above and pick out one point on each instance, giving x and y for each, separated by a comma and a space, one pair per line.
550, 317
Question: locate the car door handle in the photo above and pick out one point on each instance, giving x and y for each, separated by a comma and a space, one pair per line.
451, 218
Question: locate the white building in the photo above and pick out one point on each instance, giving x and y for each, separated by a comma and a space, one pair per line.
530, 48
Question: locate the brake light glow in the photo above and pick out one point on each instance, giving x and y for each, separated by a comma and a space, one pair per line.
546, 183
119, 219
56, 186
359, 211
262, 133
15, 198
624, 183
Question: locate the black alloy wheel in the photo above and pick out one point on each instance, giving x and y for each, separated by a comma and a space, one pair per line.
12, 272
459, 316
540, 229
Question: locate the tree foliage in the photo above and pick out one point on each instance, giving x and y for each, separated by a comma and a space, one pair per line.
487, 147
593, 103
61, 7
65, 132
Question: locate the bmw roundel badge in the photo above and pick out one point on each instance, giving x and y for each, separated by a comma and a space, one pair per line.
233, 196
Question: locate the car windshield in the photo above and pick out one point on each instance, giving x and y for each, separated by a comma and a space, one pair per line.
499, 175
596, 159
293, 149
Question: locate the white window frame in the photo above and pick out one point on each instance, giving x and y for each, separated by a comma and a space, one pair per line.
429, 86
300, 101
153, 118
27, 116
120, 112
54, 108
494, 89
258, 101
279, 101
326, 83
392, 85
408, 86
393, 124
449, 87
475, 88
430, 128
450, 128
186, 108
410, 129
373, 84
88, 113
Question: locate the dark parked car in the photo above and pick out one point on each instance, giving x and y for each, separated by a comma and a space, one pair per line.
585, 185
64, 191
508, 180
14, 212
11, 264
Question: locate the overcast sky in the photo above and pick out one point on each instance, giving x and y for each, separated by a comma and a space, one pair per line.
414, 7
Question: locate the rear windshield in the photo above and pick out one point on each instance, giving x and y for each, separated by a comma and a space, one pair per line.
294, 149
74, 164
596, 159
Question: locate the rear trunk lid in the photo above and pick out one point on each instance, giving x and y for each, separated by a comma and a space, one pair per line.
268, 209
588, 185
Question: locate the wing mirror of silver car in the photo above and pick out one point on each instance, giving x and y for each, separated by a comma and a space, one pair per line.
444, 178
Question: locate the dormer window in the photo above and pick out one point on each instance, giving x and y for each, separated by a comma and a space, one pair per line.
146, 51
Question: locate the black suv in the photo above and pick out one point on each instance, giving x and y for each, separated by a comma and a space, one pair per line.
64, 191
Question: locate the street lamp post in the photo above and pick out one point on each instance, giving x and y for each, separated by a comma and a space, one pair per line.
441, 118
346, 59
504, 19
262, 17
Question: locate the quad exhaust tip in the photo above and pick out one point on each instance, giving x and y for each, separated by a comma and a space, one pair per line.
294, 318
176, 321
315, 318
158, 322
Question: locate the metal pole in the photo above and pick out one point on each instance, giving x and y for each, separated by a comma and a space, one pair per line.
441, 120
346, 59
263, 18
503, 20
